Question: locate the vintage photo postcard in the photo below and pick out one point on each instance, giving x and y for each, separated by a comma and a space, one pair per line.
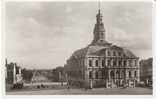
78, 47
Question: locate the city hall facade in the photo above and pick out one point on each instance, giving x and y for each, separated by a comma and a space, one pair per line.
102, 64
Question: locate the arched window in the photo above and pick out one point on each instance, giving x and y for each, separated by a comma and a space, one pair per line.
112, 75
90, 63
103, 63
109, 53
135, 73
130, 63
109, 62
114, 63
120, 63
122, 74
103, 74
117, 74
90, 75
96, 74
100, 74
135, 62
125, 63
96, 63
130, 74
114, 53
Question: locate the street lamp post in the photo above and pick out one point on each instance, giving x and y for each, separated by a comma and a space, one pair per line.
91, 82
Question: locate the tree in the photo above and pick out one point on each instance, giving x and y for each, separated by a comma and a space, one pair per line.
27, 74
58, 73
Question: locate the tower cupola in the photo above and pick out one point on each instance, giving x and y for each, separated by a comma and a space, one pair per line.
99, 30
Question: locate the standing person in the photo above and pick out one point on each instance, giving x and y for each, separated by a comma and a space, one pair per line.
68, 87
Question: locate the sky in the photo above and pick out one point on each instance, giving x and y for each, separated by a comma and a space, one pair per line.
45, 34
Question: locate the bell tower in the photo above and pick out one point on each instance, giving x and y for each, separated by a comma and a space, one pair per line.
99, 30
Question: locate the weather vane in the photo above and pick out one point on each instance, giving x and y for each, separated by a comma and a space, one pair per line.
99, 4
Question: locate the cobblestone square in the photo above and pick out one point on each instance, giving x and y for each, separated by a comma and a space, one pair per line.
95, 91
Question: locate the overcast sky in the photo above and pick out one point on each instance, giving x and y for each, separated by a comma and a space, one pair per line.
45, 34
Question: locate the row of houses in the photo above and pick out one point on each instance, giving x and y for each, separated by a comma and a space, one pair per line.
146, 72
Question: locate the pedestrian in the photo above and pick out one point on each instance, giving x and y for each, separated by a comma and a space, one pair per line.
68, 87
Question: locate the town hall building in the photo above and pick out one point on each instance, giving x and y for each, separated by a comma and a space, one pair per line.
102, 64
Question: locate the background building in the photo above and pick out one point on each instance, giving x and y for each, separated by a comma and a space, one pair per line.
13, 75
146, 71
102, 64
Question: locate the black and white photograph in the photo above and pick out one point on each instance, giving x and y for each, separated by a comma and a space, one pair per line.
95, 47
